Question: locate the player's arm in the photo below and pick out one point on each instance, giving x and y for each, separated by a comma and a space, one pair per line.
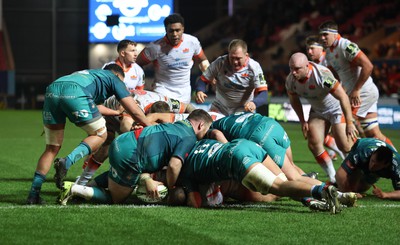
173, 170
151, 185
201, 84
132, 108
142, 60
217, 135
394, 195
362, 61
105, 111
338, 92
202, 60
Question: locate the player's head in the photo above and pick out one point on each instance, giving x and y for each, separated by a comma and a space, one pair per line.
380, 159
159, 106
237, 53
174, 27
298, 65
314, 48
127, 51
201, 122
116, 69
328, 32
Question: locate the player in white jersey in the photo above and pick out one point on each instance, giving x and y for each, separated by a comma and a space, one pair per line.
134, 74
353, 69
172, 57
328, 103
316, 53
315, 50
174, 117
240, 82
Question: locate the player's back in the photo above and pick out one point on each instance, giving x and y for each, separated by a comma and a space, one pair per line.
158, 143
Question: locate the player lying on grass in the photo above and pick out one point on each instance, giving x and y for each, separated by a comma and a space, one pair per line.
241, 160
75, 97
368, 160
134, 155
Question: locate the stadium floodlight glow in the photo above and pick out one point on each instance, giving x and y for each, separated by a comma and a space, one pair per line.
140, 20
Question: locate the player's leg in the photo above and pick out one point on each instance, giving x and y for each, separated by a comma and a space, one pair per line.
259, 178
94, 161
371, 128
351, 180
316, 136
97, 134
54, 137
236, 190
339, 133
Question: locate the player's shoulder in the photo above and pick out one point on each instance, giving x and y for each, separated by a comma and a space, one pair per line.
190, 38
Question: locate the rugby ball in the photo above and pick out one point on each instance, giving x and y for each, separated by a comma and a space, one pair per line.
141, 194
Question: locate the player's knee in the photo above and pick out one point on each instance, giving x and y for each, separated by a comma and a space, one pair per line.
96, 128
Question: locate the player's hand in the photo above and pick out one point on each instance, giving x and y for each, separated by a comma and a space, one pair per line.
151, 188
355, 100
304, 128
351, 132
250, 106
200, 97
378, 192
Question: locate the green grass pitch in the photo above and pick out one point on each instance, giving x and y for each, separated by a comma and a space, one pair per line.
285, 221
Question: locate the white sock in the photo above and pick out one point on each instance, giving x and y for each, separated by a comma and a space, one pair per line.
82, 191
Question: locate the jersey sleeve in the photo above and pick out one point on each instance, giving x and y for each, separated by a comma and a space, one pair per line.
351, 50
260, 83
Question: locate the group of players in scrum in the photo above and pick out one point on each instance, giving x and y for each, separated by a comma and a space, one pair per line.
256, 161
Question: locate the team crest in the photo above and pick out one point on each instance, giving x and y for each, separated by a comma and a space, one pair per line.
186, 50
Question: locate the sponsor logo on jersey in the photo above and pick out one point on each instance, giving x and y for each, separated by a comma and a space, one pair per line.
312, 86
186, 50
133, 77
352, 49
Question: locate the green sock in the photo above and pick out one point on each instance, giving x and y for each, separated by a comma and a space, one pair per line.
37, 182
102, 196
79, 152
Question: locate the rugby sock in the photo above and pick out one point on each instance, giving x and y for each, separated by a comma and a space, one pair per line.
316, 191
100, 195
331, 143
37, 182
325, 161
94, 194
79, 152
91, 167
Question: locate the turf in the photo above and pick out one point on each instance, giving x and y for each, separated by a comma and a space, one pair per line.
285, 221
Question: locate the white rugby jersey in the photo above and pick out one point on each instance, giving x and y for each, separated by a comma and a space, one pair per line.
234, 88
316, 88
340, 57
146, 99
172, 65
134, 75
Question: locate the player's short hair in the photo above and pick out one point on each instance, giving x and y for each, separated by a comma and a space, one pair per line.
123, 44
384, 155
115, 69
172, 19
159, 106
313, 40
328, 26
200, 115
236, 43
